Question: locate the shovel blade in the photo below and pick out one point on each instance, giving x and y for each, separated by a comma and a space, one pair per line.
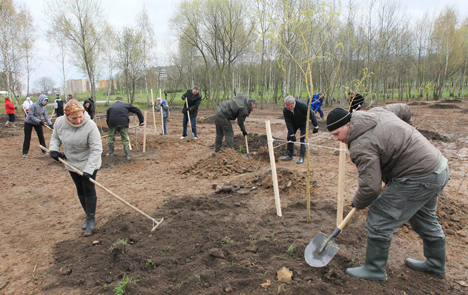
312, 255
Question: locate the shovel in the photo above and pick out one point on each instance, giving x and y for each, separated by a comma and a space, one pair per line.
192, 136
247, 147
321, 250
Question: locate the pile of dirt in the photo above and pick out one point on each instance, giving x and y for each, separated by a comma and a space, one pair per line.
453, 216
227, 162
5, 133
452, 101
415, 103
289, 181
431, 135
217, 245
441, 105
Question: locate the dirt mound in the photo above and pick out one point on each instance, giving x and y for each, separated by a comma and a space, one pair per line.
212, 245
440, 105
207, 120
464, 111
452, 101
431, 135
5, 133
415, 103
453, 216
289, 181
224, 163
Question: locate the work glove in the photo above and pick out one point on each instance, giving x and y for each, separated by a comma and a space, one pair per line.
86, 176
315, 129
56, 155
244, 133
51, 126
42, 123
323, 118
141, 124
16, 108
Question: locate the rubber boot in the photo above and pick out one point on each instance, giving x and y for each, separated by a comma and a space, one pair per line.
435, 258
127, 153
83, 204
290, 155
7, 124
376, 259
111, 150
302, 154
90, 215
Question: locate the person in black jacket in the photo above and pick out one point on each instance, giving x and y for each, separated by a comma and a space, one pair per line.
355, 101
194, 98
295, 116
89, 109
58, 105
117, 119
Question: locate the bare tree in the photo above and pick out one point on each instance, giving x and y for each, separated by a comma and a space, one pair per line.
44, 85
148, 43
83, 23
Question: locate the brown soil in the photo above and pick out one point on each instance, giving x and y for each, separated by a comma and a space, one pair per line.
444, 105
211, 243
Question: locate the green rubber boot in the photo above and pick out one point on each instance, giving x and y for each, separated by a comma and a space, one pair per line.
376, 259
435, 258
111, 150
127, 153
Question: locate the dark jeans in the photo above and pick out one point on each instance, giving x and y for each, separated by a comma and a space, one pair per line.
193, 121
303, 131
11, 118
165, 124
84, 187
27, 136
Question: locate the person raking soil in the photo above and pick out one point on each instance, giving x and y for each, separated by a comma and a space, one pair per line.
34, 120
385, 147
83, 147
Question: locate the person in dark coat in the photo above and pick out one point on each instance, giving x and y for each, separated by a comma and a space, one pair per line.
237, 108
89, 109
194, 98
355, 101
118, 119
295, 116
58, 105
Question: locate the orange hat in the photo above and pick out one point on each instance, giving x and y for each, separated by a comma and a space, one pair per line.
73, 106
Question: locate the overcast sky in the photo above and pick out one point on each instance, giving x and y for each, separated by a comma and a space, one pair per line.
124, 12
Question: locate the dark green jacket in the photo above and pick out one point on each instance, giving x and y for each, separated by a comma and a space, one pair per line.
238, 108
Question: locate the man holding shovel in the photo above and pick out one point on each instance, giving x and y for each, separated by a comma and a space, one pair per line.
237, 108
385, 147
117, 119
295, 116
193, 98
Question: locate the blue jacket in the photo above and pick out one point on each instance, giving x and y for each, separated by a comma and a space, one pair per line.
316, 102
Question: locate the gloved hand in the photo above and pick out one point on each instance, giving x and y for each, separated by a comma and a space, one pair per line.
141, 124
315, 129
56, 155
51, 126
352, 205
16, 108
42, 123
323, 118
86, 176
244, 133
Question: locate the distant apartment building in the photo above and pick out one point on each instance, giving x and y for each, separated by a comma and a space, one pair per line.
104, 84
75, 86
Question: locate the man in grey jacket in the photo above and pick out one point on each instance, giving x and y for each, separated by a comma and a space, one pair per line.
385, 147
237, 108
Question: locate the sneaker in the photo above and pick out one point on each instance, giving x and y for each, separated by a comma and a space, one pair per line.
183, 137
45, 153
195, 137
25, 155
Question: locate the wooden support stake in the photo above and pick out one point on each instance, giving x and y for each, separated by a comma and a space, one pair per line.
273, 168
341, 176
154, 116
110, 192
98, 116
144, 133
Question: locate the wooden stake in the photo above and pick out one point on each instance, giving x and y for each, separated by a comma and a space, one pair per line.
341, 176
154, 116
273, 168
144, 133
114, 195
161, 110
97, 116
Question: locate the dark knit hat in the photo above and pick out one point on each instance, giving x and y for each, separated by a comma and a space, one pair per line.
337, 118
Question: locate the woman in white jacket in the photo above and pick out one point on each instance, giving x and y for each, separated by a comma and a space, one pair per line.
83, 147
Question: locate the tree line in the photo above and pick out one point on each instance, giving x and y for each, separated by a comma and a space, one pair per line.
267, 49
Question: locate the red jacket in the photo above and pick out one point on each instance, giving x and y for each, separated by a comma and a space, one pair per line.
9, 107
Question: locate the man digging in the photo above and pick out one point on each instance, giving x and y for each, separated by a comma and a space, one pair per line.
237, 108
295, 116
385, 147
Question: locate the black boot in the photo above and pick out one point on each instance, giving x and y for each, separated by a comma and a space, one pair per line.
83, 204
90, 215
302, 154
376, 259
290, 155
435, 258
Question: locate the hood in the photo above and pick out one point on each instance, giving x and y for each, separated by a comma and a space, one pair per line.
27, 98
361, 122
41, 99
246, 100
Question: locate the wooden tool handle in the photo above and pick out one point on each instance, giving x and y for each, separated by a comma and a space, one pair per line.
347, 218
